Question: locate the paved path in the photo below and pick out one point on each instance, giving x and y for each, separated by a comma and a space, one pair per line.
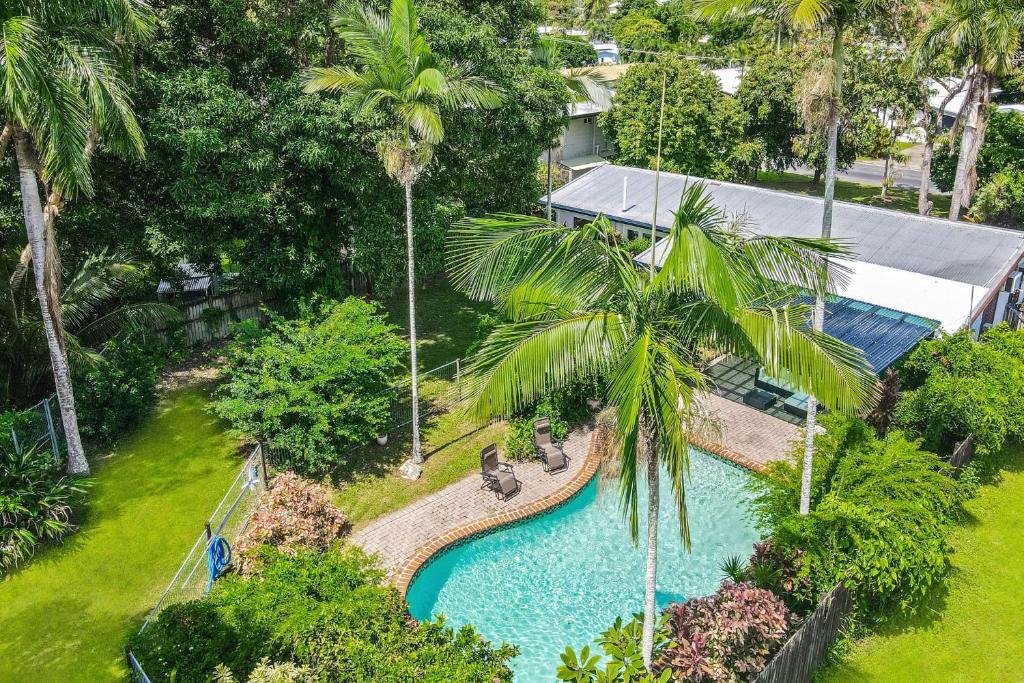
397, 537
744, 434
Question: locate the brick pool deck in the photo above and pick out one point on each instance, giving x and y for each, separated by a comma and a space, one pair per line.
404, 540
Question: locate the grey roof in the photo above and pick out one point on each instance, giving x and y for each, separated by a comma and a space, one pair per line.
965, 252
192, 279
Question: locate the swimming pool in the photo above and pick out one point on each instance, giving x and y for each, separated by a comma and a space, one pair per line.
563, 577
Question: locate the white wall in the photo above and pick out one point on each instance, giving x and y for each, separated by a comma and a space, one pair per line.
581, 136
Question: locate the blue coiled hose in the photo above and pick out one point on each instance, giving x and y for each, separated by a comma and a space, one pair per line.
218, 557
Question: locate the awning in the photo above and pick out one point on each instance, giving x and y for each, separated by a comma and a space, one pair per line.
883, 334
584, 162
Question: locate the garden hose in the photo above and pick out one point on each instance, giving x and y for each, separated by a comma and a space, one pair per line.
218, 557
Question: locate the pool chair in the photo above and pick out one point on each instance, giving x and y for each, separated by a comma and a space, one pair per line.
551, 454
498, 476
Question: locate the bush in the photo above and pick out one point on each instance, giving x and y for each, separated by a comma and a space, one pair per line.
294, 514
328, 612
776, 569
882, 512
958, 387
315, 386
728, 636
118, 393
1000, 201
36, 503
564, 408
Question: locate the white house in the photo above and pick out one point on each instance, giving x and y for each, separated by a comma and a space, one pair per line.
953, 273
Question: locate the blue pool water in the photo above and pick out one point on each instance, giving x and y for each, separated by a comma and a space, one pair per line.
563, 577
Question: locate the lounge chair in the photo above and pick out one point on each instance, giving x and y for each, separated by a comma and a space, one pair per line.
498, 476
551, 454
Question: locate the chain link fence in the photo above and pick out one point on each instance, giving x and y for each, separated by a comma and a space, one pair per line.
38, 427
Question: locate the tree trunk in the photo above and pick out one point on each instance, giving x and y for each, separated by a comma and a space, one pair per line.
547, 201
417, 452
826, 231
651, 575
970, 143
924, 204
35, 226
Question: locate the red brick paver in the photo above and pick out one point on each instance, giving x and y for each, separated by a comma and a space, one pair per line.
745, 435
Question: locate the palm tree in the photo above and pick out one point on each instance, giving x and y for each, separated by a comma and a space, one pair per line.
584, 84
984, 37
579, 306
62, 96
832, 18
93, 310
398, 73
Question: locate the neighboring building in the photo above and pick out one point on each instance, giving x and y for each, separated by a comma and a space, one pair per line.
953, 273
583, 146
729, 79
607, 53
192, 282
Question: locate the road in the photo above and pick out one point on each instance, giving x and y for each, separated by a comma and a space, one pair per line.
869, 172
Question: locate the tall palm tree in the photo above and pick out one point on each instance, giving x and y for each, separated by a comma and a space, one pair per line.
62, 95
578, 307
93, 308
584, 84
398, 73
985, 37
830, 18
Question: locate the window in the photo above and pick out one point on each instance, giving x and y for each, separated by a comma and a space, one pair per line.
588, 120
578, 222
632, 234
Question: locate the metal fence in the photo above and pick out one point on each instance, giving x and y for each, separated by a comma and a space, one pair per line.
228, 521
40, 427
806, 649
440, 389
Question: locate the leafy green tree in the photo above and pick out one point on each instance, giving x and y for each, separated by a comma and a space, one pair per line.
639, 36
579, 307
315, 386
703, 127
985, 38
576, 52
63, 97
97, 302
821, 106
401, 76
766, 94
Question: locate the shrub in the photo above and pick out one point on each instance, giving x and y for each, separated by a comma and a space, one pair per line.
115, 395
328, 612
623, 656
777, 569
882, 512
36, 503
294, 514
958, 387
315, 386
564, 408
727, 636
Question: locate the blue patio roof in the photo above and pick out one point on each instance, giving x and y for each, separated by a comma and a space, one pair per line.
883, 334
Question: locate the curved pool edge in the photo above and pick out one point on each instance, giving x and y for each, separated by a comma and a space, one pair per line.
407, 572
403, 578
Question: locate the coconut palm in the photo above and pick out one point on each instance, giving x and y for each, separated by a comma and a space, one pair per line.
579, 306
95, 306
583, 84
984, 37
399, 74
61, 96
830, 18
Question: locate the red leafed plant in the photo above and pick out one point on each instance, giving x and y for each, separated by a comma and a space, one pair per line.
294, 514
725, 637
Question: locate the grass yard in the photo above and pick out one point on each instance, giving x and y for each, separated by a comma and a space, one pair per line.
65, 616
972, 631
899, 199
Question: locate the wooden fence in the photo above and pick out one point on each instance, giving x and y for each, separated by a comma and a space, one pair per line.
806, 649
963, 452
209, 319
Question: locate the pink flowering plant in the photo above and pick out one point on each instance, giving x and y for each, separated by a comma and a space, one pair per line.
295, 513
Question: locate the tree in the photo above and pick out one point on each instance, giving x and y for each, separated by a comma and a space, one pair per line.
96, 305
640, 37
582, 84
579, 307
766, 94
832, 18
575, 52
703, 126
984, 37
400, 75
63, 97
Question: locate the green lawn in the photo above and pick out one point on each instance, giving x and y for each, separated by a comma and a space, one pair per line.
973, 632
65, 616
899, 199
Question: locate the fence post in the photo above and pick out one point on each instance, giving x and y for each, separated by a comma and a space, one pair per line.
53, 434
458, 375
263, 462
209, 533
14, 440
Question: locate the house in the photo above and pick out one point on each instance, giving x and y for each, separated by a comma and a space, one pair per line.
607, 53
953, 273
582, 146
189, 282
729, 79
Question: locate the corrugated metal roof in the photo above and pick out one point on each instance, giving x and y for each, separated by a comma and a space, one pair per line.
884, 335
963, 252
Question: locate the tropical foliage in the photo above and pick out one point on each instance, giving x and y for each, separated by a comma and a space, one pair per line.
329, 612
37, 503
579, 307
315, 386
883, 510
